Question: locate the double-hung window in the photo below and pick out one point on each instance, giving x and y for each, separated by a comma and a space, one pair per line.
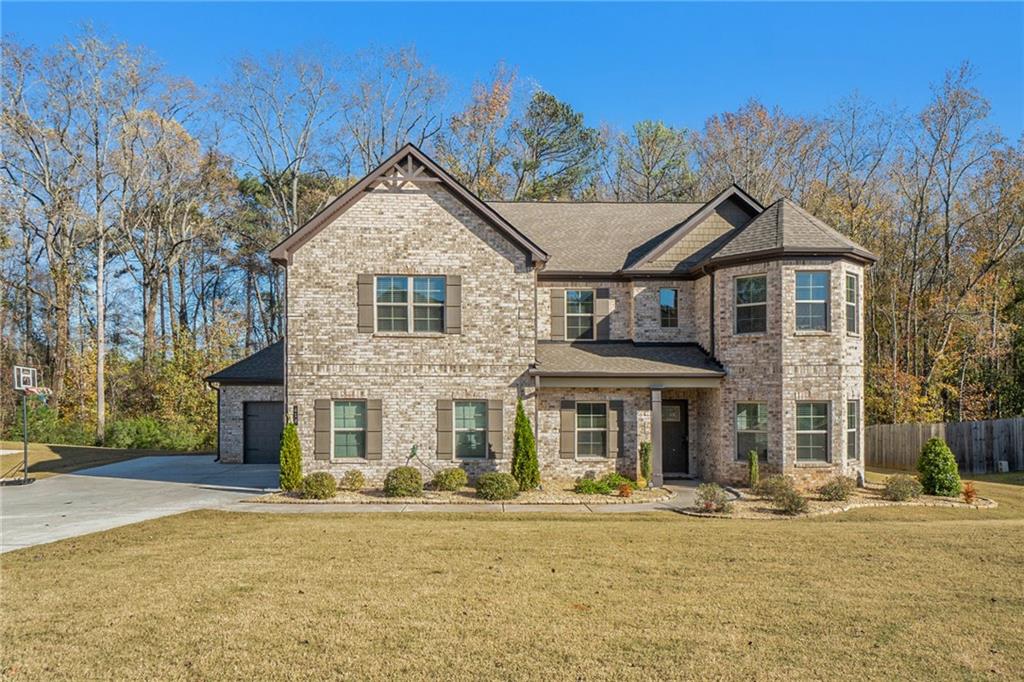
751, 304
579, 314
812, 432
852, 303
591, 429
751, 430
852, 429
349, 429
812, 301
422, 311
668, 301
470, 429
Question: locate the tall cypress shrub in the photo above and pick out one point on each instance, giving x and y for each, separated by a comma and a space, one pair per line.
752, 468
291, 459
525, 468
937, 469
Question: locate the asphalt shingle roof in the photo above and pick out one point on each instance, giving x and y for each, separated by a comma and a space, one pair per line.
263, 367
624, 358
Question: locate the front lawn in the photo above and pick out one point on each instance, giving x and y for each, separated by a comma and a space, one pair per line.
874, 594
47, 460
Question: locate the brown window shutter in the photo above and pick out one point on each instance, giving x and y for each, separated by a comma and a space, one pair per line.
614, 428
567, 430
558, 314
374, 423
444, 429
453, 304
494, 435
322, 429
602, 314
364, 304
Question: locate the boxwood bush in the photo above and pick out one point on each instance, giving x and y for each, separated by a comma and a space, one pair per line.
837, 489
772, 486
319, 485
712, 498
790, 502
352, 479
403, 482
901, 487
937, 469
450, 479
592, 486
496, 485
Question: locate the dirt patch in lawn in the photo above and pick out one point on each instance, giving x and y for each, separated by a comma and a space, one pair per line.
552, 493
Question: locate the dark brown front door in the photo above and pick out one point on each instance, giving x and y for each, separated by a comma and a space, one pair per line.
675, 437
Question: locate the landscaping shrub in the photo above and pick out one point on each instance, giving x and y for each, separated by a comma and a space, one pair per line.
319, 485
753, 472
901, 487
837, 489
645, 461
625, 490
525, 468
352, 479
497, 485
290, 459
403, 482
937, 469
614, 479
147, 433
45, 426
790, 502
969, 493
591, 486
712, 498
450, 479
772, 486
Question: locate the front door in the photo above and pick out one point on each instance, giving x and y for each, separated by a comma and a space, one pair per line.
675, 437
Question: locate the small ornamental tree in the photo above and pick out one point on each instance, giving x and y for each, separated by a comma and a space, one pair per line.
645, 461
752, 468
937, 469
291, 459
525, 468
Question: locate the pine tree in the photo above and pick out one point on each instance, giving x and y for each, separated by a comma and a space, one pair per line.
291, 459
525, 468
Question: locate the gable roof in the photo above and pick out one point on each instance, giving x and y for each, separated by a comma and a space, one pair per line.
410, 155
263, 367
786, 228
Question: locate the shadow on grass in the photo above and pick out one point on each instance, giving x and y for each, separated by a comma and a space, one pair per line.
65, 459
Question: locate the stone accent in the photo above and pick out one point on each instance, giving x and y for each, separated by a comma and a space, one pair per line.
232, 399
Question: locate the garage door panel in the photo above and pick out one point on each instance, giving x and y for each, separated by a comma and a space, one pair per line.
264, 422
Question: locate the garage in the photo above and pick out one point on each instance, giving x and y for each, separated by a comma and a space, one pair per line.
261, 431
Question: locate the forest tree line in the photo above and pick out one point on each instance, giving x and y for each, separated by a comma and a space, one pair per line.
138, 209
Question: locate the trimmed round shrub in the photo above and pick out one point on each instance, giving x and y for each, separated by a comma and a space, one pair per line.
769, 488
450, 479
403, 482
352, 479
496, 485
591, 486
614, 480
712, 498
790, 502
837, 489
901, 487
937, 469
319, 485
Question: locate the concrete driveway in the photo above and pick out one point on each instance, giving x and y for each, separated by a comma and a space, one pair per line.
126, 492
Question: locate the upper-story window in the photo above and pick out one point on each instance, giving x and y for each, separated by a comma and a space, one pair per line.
668, 301
852, 303
812, 301
751, 304
398, 311
579, 314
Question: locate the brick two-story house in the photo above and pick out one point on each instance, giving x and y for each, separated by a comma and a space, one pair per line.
417, 314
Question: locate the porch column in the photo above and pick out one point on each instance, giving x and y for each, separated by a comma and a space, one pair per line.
657, 478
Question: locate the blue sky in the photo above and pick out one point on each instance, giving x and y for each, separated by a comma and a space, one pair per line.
616, 63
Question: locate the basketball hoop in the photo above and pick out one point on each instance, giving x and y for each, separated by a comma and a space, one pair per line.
26, 381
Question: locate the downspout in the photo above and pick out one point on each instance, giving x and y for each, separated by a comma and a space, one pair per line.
216, 388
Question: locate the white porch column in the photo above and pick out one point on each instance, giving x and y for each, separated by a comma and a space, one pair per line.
657, 477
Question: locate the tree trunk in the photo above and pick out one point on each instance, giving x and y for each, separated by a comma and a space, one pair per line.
101, 339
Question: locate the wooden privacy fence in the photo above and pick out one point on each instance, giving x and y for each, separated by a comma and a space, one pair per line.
977, 445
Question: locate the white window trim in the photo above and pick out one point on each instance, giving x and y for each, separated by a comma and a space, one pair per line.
409, 305
335, 429
855, 431
827, 432
855, 304
456, 431
736, 306
592, 316
661, 322
576, 430
737, 431
827, 302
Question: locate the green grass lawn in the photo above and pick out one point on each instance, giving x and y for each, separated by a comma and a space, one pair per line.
48, 460
913, 593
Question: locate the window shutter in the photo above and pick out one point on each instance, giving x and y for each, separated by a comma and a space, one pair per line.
374, 422
494, 435
567, 430
602, 314
322, 429
364, 304
614, 428
453, 304
558, 314
444, 429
